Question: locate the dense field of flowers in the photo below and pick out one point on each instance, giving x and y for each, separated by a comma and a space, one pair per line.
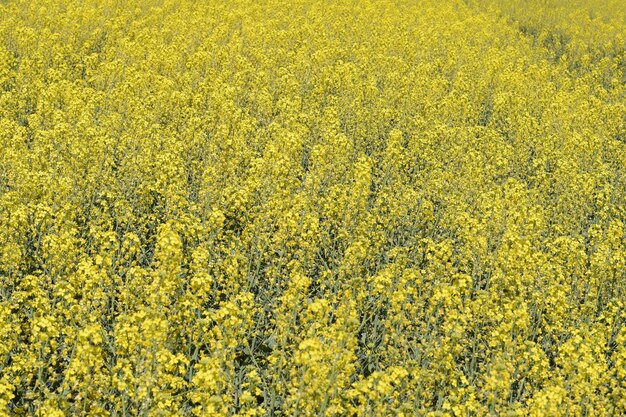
312, 208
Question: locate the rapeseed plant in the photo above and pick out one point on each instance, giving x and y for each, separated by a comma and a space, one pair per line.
335, 208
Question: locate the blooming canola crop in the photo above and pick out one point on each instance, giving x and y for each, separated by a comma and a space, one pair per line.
312, 208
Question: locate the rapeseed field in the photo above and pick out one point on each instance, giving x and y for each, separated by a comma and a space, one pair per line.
312, 208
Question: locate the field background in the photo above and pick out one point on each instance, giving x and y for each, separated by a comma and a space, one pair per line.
312, 208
